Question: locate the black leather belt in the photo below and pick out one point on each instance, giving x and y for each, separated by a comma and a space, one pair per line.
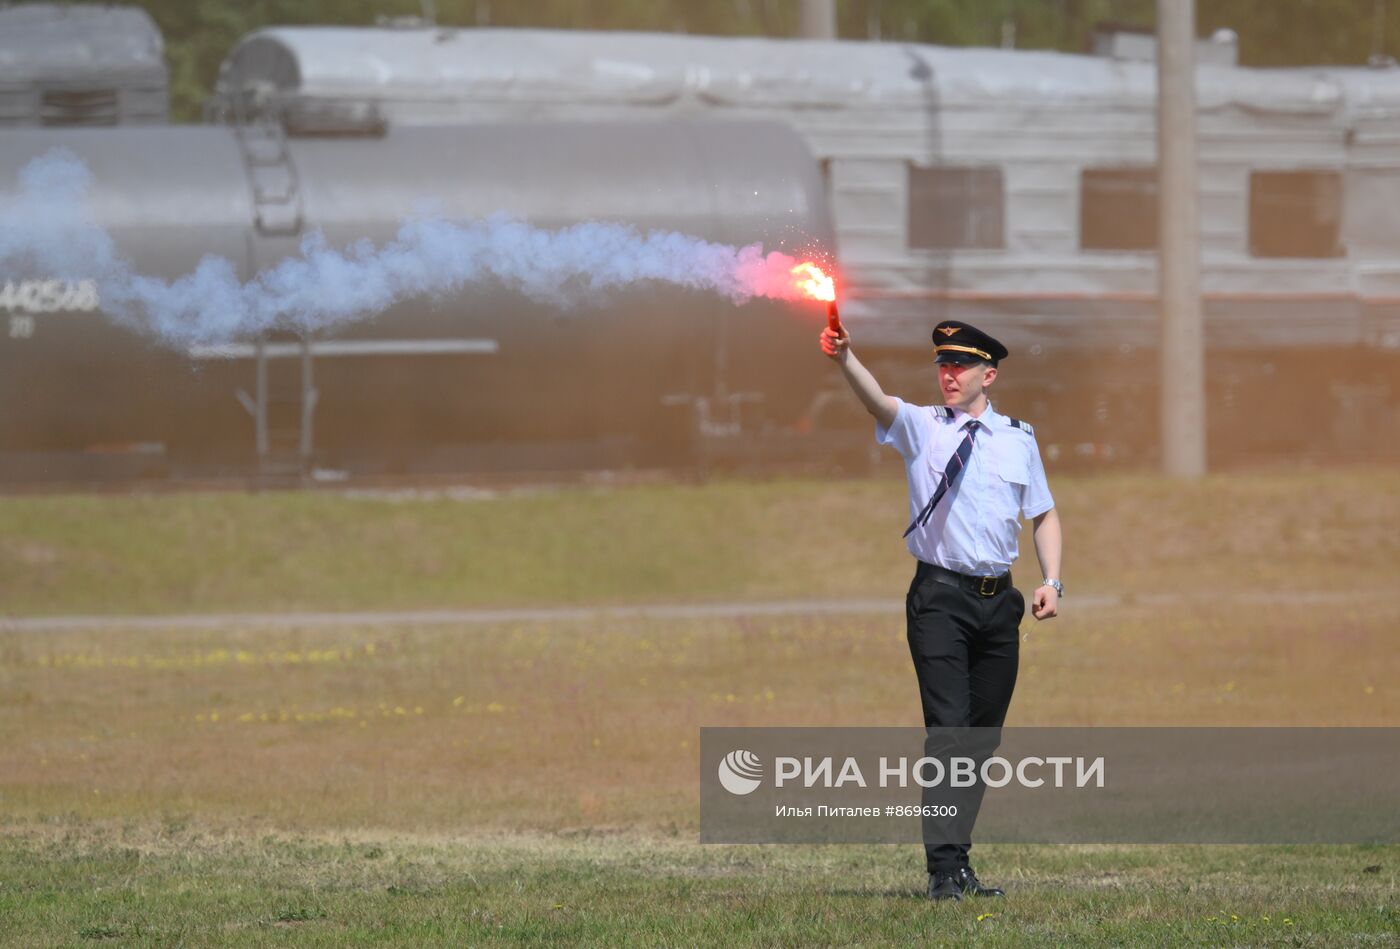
982, 586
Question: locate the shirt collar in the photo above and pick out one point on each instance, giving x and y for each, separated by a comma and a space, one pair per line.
988, 419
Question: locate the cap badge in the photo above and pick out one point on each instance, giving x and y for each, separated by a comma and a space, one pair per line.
948, 330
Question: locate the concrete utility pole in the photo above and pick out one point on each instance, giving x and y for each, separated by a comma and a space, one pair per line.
819, 19
1179, 250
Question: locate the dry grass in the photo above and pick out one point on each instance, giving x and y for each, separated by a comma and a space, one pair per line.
595, 724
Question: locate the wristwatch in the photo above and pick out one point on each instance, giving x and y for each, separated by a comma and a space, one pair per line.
1052, 582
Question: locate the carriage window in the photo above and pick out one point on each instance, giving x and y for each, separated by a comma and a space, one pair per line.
955, 207
1118, 209
1295, 214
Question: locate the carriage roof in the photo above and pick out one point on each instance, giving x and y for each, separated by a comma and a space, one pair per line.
434, 63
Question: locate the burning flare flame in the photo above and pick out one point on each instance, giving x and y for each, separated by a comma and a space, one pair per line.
813, 282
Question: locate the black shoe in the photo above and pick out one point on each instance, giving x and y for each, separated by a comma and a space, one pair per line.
943, 886
966, 881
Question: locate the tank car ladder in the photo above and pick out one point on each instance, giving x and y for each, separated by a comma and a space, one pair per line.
283, 407
284, 404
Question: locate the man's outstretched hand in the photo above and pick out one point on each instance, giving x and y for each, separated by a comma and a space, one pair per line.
836, 344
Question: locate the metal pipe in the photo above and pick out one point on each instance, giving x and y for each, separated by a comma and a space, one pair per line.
818, 19
1183, 408
260, 422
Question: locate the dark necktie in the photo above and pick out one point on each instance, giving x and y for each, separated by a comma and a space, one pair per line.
955, 467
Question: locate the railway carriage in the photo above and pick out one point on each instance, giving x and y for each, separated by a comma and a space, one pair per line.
64, 64
1014, 189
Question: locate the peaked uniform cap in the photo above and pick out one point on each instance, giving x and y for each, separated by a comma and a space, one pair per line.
958, 342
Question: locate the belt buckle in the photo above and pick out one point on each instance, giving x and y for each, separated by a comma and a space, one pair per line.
988, 586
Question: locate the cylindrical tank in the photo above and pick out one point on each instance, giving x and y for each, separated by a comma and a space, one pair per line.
78, 395
433, 381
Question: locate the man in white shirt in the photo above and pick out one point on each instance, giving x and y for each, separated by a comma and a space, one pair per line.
973, 474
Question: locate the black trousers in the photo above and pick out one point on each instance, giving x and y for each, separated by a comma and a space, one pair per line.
965, 648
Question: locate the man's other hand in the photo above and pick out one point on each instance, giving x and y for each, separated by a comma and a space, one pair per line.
1046, 603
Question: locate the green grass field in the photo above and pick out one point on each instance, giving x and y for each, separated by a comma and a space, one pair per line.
76, 883
535, 782
725, 540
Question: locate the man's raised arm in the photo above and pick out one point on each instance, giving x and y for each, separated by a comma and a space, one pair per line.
837, 345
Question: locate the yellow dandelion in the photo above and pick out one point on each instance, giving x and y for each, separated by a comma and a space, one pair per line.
459, 700
982, 916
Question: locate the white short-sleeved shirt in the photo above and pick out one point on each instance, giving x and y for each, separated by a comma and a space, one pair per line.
975, 526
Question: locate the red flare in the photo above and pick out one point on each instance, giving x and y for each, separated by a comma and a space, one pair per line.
833, 319
814, 282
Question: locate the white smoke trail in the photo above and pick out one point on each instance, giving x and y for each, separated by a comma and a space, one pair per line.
46, 227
